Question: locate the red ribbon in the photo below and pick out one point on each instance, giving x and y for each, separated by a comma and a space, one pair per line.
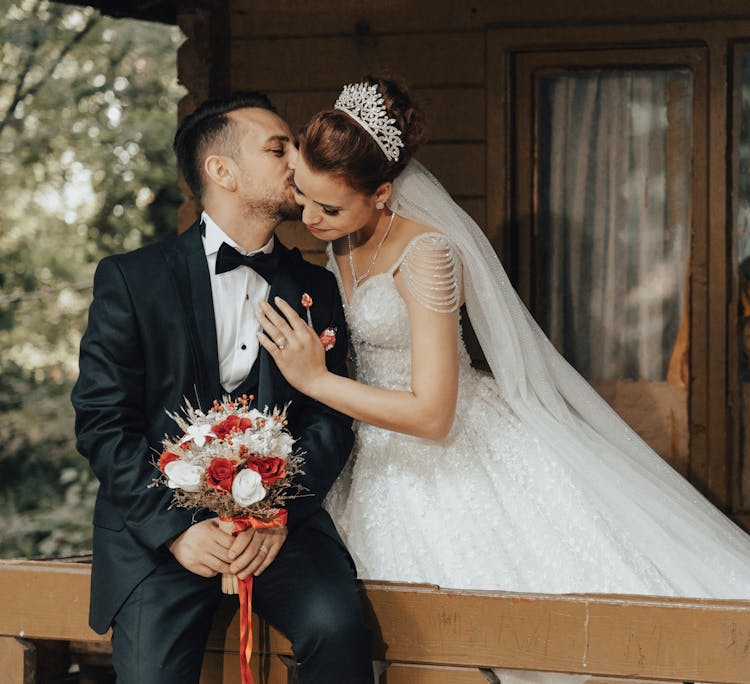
245, 587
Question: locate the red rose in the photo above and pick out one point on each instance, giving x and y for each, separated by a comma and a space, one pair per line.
220, 474
166, 458
270, 469
231, 424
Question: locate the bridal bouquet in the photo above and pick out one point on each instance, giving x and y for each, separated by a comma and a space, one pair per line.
239, 463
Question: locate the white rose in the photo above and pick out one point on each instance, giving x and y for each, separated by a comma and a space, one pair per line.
247, 487
182, 475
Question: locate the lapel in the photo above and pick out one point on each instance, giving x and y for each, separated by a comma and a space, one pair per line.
273, 389
194, 286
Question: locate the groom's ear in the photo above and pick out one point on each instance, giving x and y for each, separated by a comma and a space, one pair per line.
220, 170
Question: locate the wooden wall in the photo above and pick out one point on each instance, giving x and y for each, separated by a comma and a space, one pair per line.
453, 55
302, 51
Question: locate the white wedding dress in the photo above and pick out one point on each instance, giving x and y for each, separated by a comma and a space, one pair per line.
494, 506
523, 495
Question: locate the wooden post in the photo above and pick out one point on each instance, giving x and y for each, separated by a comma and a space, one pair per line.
17, 661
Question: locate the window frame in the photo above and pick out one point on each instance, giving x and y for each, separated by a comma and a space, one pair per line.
705, 48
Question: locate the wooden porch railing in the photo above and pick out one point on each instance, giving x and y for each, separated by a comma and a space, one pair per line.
427, 635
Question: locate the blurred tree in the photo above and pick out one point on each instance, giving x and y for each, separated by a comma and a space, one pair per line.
87, 111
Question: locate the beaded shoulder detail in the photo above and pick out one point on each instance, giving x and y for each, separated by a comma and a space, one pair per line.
431, 269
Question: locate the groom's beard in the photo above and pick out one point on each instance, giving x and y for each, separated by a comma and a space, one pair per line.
289, 210
277, 209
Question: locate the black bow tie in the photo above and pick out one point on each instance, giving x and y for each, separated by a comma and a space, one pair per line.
228, 258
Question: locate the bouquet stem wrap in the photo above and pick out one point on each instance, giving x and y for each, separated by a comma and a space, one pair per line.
231, 584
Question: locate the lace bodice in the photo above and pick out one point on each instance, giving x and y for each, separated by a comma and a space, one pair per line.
379, 325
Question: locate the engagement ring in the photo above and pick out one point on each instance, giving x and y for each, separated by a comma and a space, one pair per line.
281, 342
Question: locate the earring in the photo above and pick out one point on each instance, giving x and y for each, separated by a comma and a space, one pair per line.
379, 205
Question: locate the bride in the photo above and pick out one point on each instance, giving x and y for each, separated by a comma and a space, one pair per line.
522, 480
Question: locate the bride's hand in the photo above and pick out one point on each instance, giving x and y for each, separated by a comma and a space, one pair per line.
293, 344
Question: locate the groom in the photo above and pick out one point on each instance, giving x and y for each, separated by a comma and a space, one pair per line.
176, 320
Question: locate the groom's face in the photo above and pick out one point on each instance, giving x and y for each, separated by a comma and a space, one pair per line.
266, 153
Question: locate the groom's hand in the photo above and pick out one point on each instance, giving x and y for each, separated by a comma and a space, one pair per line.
254, 550
203, 548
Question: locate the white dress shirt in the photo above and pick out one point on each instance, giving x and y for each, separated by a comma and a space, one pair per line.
237, 295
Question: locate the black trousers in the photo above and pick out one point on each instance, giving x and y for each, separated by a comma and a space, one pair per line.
309, 593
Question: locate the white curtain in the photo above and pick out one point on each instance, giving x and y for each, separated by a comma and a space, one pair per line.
614, 218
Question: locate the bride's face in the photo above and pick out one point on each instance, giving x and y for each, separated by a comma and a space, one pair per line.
330, 208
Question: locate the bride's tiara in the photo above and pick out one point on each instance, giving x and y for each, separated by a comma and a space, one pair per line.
365, 105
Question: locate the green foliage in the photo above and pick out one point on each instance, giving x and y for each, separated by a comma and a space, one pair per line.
87, 112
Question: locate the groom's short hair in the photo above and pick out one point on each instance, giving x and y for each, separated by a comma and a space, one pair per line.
210, 125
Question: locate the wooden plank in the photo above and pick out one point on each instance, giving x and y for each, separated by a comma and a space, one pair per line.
295, 17
426, 674
459, 167
332, 17
476, 207
630, 636
498, 171
452, 114
743, 520
46, 600
311, 64
657, 411
738, 392
713, 112
707, 643
473, 628
17, 661
593, 634
622, 680
571, 633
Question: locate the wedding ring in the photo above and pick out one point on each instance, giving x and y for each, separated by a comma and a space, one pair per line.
281, 342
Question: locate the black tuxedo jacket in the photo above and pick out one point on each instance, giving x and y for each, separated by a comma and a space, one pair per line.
151, 343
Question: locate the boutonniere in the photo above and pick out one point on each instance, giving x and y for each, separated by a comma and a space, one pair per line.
328, 336
307, 303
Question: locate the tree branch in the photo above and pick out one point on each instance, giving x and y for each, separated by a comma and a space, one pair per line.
20, 92
22, 75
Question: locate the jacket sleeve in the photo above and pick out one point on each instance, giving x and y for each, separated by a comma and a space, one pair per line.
326, 436
111, 424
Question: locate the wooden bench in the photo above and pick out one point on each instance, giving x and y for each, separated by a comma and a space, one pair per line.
425, 635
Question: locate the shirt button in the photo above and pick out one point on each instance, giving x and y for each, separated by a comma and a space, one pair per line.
247, 296
243, 347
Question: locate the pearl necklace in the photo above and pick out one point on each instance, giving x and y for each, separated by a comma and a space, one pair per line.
358, 279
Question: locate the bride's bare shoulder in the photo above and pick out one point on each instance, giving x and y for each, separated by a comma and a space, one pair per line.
408, 230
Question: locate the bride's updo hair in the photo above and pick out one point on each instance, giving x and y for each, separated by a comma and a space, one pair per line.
332, 142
